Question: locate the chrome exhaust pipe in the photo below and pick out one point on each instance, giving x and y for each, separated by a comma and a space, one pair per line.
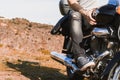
104, 54
62, 58
100, 57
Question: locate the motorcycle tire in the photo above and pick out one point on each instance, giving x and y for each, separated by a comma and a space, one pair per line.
73, 75
115, 72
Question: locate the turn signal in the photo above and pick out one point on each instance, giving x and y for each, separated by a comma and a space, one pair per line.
118, 10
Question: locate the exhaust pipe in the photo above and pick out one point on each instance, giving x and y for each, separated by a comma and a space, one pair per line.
62, 58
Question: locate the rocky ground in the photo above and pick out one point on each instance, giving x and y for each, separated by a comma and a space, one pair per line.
25, 51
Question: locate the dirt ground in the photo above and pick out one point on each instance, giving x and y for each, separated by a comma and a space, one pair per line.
25, 51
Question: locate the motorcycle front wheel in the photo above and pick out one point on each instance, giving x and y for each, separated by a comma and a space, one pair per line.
115, 72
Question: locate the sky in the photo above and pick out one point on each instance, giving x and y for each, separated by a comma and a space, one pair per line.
41, 11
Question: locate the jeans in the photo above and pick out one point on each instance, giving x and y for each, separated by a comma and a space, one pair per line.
76, 34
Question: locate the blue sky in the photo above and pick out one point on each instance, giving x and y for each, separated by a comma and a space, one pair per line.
41, 11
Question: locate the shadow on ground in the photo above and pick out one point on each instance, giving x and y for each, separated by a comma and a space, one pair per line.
34, 71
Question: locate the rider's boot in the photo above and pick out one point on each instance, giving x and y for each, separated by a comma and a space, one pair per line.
82, 61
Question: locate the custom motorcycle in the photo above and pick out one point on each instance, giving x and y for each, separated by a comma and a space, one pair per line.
101, 43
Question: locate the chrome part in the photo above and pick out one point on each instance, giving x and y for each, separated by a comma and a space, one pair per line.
100, 57
119, 32
117, 73
95, 13
64, 59
104, 54
110, 45
100, 32
111, 30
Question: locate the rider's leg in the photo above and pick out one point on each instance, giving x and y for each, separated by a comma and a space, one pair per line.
77, 36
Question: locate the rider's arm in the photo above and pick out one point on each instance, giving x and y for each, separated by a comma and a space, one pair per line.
86, 13
76, 6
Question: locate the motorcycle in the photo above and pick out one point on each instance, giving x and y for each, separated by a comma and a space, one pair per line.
101, 43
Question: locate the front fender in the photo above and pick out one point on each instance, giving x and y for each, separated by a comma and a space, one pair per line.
115, 59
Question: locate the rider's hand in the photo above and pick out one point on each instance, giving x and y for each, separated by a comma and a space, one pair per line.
88, 16
118, 9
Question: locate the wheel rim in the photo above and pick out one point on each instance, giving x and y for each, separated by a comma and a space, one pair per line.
117, 73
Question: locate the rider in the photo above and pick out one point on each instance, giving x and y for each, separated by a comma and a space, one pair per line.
83, 9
